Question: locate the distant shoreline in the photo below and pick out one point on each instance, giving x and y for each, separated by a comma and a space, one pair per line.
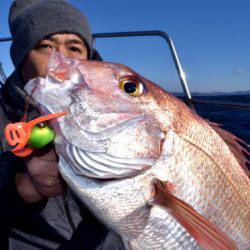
235, 93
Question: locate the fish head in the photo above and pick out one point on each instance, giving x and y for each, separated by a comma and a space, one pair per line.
114, 115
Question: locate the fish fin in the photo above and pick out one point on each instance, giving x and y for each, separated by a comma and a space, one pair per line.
202, 230
241, 152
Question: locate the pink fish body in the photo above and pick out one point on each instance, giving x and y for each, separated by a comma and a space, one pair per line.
122, 133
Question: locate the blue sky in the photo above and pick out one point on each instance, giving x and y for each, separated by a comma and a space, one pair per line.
212, 39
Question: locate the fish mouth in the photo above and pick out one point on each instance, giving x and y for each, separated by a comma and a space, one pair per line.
107, 133
90, 158
86, 152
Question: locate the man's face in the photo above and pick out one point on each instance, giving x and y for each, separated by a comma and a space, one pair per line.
35, 63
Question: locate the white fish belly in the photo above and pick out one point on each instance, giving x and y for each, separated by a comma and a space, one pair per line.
123, 207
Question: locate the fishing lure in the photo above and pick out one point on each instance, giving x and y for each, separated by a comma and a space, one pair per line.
26, 136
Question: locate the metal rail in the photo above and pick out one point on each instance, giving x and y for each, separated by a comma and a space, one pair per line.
162, 34
188, 98
7, 39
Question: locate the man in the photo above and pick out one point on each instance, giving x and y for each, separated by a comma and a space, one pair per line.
37, 210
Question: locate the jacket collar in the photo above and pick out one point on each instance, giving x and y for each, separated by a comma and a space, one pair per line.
13, 99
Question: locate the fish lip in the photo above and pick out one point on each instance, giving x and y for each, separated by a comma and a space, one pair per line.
115, 129
103, 135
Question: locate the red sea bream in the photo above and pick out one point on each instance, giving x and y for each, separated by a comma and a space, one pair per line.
146, 165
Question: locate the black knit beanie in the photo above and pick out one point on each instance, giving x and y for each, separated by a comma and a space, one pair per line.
31, 21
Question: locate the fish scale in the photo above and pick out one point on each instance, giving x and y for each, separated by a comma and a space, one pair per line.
222, 202
158, 138
231, 169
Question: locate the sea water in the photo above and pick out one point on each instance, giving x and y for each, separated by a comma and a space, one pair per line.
234, 120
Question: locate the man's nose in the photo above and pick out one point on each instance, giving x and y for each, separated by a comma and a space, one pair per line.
62, 50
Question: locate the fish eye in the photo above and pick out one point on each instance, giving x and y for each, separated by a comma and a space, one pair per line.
132, 86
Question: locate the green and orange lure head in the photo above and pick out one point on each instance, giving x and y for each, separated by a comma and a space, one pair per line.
27, 136
40, 136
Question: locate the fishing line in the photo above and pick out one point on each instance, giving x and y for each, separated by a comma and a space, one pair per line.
26, 106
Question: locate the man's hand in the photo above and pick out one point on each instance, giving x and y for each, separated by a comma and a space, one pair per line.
42, 179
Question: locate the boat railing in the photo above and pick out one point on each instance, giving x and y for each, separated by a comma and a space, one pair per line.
190, 101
